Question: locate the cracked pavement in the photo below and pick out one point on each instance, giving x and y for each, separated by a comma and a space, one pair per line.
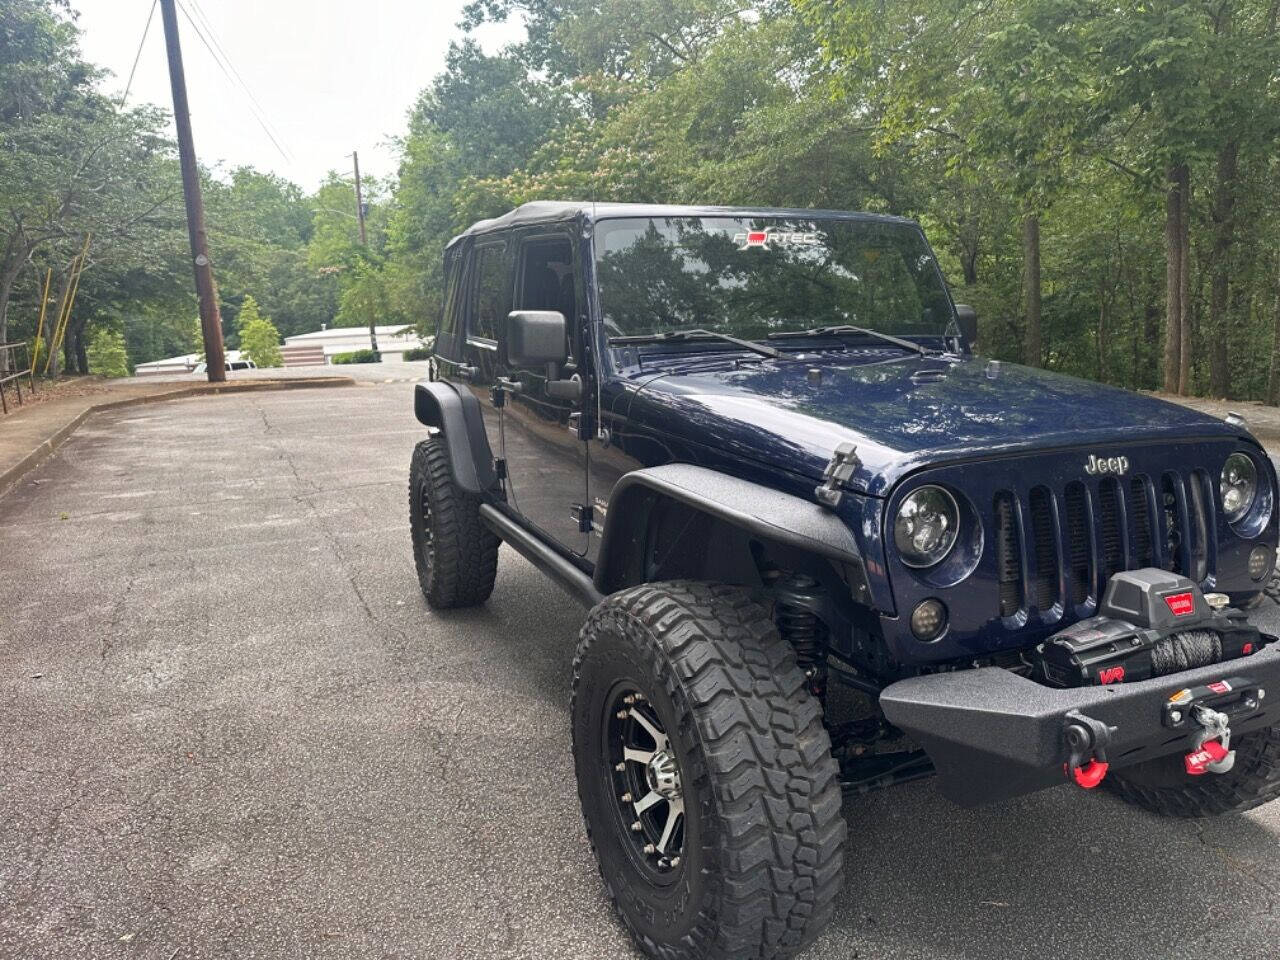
230, 727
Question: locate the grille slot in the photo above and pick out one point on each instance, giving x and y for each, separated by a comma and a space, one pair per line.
1199, 518
1174, 534
1078, 551
1044, 587
1008, 556
1143, 542
1112, 538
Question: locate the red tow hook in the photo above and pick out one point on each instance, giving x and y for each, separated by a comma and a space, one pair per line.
1199, 761
1213, 753
1092, 774
1087, 741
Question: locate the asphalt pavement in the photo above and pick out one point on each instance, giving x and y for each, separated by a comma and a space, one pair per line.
232, 728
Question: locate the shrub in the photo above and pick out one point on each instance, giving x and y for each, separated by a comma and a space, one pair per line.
259, 338
107, 354
356, 356
260, 342
417, 353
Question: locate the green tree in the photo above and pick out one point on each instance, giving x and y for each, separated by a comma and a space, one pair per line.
108, 356
259, 338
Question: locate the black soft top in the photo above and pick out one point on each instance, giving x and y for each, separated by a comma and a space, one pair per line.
558, 211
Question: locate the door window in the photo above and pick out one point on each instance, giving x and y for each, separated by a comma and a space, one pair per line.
490, 292
547, 281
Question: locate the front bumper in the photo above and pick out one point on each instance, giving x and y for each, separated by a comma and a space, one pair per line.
993, 734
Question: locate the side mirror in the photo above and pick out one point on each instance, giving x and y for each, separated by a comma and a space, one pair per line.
967, 320
535, 338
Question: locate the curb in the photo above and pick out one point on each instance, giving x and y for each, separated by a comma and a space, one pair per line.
10, 477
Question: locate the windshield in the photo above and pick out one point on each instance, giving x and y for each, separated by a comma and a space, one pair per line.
751, 277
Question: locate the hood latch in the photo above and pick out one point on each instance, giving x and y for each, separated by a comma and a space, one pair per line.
837, 476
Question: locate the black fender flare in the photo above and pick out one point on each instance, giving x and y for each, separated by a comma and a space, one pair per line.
762, 511
456, 414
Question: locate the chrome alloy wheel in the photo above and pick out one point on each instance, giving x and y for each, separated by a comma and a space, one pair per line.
646, 780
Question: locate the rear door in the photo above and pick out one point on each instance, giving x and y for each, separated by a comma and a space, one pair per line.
484, 294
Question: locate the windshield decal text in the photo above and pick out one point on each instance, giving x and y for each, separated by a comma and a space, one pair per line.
764, 239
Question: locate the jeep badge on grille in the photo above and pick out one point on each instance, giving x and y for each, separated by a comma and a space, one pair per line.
1103, 465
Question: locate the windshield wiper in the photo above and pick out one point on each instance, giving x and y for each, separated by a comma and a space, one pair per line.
843, 328
699, 334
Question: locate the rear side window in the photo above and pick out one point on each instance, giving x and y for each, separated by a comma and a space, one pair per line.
489, 295
453, 262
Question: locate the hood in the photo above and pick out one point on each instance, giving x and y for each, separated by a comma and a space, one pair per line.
902, 414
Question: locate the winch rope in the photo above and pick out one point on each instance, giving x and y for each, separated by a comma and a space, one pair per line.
1183, 651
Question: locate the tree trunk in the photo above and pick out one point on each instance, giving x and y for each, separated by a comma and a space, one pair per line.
1184, 279
1102, 332
1173, 280
1223, 236
75, 341
1033, 350
54, 316
7, 279
1273, 381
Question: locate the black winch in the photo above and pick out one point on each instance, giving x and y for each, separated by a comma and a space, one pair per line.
1151, 623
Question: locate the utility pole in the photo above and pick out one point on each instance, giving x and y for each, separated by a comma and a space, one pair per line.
364, 242
210, 320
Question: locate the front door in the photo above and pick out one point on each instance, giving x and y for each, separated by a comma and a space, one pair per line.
546, 457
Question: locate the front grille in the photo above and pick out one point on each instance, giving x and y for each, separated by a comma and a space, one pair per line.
1094, 529
1008, 564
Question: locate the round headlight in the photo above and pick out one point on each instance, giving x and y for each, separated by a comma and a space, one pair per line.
1239, 485
925, 528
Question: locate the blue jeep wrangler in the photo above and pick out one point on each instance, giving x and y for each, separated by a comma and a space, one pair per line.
827, 549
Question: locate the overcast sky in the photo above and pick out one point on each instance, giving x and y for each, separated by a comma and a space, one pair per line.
330, 77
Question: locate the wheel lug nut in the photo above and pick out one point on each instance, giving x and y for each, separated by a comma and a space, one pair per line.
623, 714
637, 826
621, 767
650, 848
675, 861
626, 798
629, 699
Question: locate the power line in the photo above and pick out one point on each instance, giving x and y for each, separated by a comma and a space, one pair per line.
226, 72
194, 6
137, 56
227, 67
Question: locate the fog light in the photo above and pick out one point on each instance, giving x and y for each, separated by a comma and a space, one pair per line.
929, 619
1260, 562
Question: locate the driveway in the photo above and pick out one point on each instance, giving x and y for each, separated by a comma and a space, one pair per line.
232, 728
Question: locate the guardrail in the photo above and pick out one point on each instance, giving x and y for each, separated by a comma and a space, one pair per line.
8, 373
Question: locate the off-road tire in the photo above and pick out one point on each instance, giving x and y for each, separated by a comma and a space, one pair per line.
762, 856
455, 553
1163, 786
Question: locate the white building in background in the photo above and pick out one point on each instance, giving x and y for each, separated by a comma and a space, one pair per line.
314, 349
183, 364
308, 349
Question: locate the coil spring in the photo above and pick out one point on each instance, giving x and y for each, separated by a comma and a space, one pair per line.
800, 627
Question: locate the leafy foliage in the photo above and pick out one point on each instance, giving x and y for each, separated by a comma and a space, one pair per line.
1077, 165
355, 356
108, 356
259, 338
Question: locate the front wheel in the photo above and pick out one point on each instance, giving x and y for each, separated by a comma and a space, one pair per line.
1163, 785
706, 779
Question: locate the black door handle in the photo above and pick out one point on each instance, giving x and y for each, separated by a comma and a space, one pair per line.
467, 372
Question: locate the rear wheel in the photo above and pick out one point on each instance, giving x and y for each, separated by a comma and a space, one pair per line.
705, 774
455, 553
1163, 785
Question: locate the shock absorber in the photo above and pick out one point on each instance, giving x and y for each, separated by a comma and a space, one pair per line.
798, 597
